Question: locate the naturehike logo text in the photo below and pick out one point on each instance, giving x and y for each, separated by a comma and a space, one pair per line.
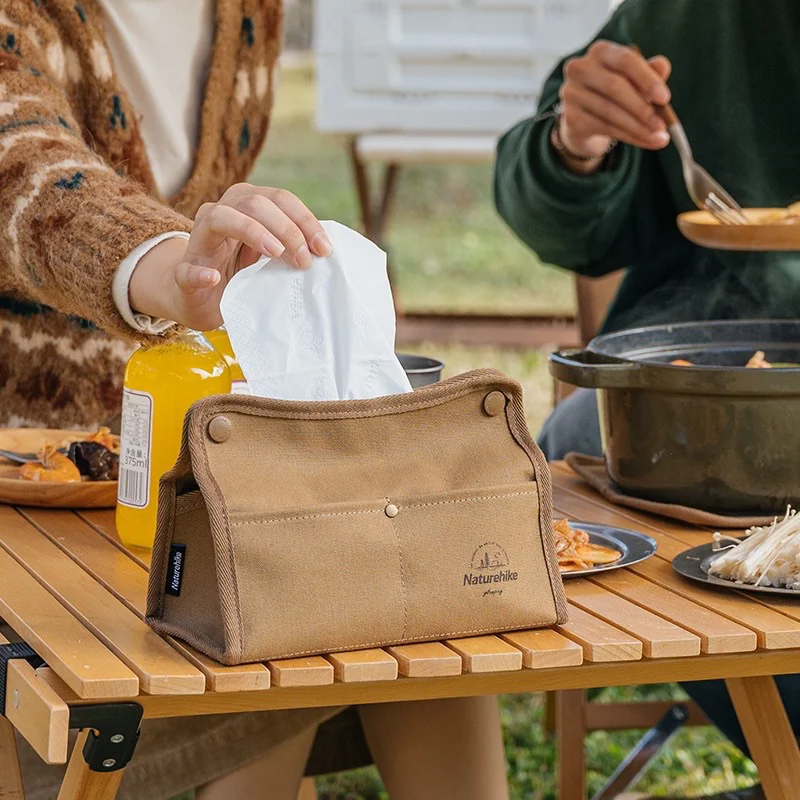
177, 556
489, 567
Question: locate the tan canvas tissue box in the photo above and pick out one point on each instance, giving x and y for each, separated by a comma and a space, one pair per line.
294, 528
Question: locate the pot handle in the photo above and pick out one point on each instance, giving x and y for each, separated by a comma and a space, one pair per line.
594, 371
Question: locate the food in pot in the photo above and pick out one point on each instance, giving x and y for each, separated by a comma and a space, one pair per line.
757, 361
769, 556
52, 467
575, 551
95, 458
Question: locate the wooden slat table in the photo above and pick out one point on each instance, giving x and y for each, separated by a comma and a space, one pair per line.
77, 597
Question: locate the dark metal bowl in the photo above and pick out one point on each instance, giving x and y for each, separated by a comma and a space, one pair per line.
421, 371
716, 436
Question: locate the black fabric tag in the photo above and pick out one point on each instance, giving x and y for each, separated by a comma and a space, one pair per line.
175, 567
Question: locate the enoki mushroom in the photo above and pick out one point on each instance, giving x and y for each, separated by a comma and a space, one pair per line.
769, 556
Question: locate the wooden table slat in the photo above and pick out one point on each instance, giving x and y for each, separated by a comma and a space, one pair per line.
660, 638
426, 660
85, 665
161, 669
358, 666
772, 628
308, 671
545, 649
487, 654
717, 634
126, 579
601, 642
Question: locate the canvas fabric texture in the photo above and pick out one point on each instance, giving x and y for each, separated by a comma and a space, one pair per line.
324, 526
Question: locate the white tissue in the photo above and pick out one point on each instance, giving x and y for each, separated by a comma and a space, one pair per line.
325, 333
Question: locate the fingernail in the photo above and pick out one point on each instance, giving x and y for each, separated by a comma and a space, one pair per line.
272, 246
321, 244
661, 138
303, 257
208, 275
661, 95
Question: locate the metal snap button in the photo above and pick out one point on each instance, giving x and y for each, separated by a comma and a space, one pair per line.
494, 403
391, 510
219, 429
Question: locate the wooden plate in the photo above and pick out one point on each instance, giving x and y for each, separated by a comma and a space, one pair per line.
702, 228
15, 491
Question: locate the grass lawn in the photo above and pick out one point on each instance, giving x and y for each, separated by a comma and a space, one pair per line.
450, 251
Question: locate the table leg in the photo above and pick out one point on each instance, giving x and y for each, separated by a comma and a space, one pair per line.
10, 775
81, 783
570, 742
769, 735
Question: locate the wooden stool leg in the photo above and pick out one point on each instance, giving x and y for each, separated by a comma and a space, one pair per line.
80, 783
769, 735
570, 742
363, 192
10, 775
308, 790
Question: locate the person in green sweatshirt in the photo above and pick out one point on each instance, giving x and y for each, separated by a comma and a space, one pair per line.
591, 184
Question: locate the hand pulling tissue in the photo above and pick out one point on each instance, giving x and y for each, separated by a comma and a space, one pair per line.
325, 333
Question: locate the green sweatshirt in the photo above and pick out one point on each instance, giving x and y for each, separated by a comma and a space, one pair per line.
736, 87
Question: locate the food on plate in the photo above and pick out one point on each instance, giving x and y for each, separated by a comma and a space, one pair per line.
575, 551
757, 361
782, 216
768, 556
94, 458
52, 467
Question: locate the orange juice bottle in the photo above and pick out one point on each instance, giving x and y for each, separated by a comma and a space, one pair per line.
222, 344
160, 384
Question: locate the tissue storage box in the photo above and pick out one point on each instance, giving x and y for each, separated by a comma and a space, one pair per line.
296, 528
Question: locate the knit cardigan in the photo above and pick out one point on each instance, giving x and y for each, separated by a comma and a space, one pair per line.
77, 193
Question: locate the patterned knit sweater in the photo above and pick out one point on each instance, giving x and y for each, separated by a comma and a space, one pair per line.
77, 193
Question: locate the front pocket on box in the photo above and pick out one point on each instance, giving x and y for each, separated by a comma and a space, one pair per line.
473, 562
318, 580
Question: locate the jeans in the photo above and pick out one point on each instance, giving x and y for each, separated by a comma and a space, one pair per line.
574, 426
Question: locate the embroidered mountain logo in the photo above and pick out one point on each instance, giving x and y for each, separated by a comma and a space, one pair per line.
489, 565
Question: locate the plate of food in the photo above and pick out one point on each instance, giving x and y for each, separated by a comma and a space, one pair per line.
769, 229
766, 559
58, 468
585, 548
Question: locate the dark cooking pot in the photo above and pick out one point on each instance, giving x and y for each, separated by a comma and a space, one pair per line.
714, 436
421, 370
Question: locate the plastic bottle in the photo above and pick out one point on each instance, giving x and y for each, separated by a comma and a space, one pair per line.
222, 344
160, 384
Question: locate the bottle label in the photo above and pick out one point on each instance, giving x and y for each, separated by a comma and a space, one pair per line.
240, 387
135, 448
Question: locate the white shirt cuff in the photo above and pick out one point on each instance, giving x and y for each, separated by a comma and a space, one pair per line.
122, 278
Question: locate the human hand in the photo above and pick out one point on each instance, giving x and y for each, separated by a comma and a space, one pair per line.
608, 94
184, 280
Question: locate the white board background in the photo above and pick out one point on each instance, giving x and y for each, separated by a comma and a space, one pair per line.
443, 66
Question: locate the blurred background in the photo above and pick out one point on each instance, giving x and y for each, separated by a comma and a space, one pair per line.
470, 294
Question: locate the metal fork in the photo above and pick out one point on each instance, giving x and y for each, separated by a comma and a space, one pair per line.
704, 191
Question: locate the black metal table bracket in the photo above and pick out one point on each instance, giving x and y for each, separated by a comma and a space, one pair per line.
115, 732
645, 751
10, 652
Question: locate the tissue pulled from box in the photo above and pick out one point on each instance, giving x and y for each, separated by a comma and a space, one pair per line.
325, 333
